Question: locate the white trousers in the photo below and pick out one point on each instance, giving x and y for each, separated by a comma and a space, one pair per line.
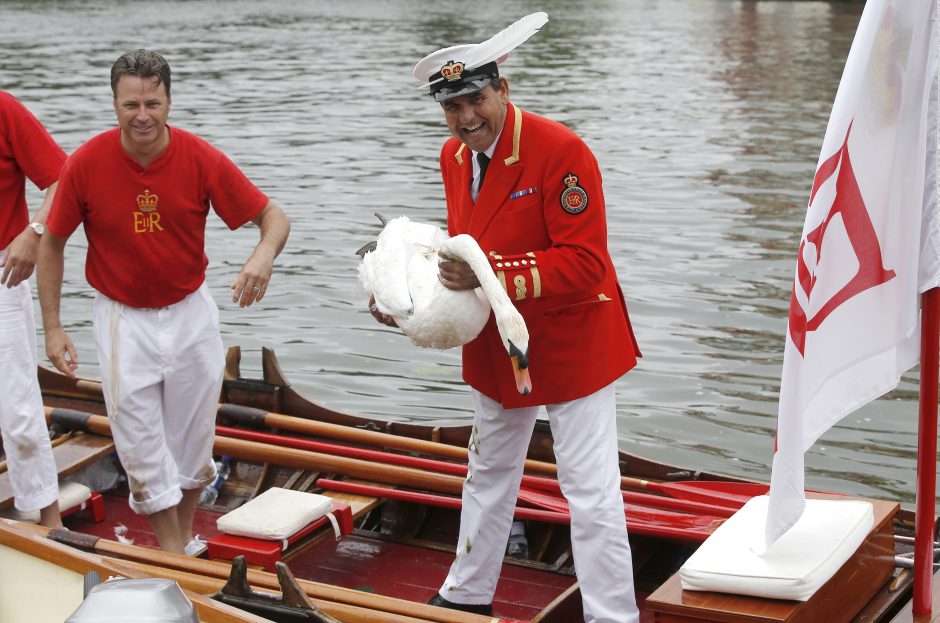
33, 475
161, 372
585, 434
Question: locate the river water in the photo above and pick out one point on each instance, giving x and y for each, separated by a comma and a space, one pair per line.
707, 118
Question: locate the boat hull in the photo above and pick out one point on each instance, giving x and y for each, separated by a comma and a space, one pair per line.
389, 531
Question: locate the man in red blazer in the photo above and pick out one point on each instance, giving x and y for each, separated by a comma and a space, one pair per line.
529, 191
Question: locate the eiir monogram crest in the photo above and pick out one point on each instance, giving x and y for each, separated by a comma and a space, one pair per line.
574, 199
146, 217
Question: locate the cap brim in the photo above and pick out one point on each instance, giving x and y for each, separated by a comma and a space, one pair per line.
464, 88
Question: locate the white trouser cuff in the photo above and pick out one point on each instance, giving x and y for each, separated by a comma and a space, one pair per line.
167, 499
37, 501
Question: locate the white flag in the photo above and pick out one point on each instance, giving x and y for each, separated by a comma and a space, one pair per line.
869, 244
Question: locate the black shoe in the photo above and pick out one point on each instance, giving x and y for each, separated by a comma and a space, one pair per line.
440, 602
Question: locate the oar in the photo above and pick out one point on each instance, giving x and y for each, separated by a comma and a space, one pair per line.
287, 457
725, 494
728, 494
645, 514
256, 578
410, 477
693, 531
432, 499
458, 469
249, 416
731, 495
357, 468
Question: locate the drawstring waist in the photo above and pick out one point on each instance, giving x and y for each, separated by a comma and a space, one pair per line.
114, 324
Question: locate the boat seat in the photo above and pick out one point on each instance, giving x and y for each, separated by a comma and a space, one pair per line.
73, 497
264, 528
795, 566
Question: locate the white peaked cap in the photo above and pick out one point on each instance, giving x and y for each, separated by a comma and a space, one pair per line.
461, 69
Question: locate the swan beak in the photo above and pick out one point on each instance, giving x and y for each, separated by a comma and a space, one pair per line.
520, 368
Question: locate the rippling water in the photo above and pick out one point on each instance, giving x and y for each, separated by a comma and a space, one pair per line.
706, 115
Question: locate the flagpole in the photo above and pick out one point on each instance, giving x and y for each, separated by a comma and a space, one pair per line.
927, 453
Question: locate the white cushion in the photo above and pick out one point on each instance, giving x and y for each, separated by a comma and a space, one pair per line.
70, 494
276, 514
795, 566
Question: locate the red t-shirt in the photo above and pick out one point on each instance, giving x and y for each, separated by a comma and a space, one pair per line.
146, 227
26, 150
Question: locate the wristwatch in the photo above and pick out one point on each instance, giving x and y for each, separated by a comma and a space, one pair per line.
39, 228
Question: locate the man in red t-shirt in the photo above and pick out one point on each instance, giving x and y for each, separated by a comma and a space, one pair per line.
26, 150
143, 191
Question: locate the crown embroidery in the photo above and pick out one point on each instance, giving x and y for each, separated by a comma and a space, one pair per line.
452, 71
571, 180
147, 202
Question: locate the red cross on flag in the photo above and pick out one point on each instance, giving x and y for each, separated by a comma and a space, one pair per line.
870, 243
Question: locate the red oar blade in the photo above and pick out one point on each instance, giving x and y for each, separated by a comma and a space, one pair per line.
634, 513
728, 494
638, 525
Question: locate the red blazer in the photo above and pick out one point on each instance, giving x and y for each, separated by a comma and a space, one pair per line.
540, 218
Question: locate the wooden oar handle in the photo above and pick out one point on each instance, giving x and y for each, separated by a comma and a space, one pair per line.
70, 419
248, 416
357, 468
91, 387
288, 457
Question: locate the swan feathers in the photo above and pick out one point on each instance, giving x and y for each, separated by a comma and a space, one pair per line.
402, 274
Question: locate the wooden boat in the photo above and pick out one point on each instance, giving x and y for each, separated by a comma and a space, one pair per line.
404, 500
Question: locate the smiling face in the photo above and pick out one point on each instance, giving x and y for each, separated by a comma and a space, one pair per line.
142, 106
477, 119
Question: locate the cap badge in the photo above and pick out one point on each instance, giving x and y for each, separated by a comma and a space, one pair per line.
452, 71
574, 199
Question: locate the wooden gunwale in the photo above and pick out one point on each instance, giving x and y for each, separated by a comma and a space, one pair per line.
324, 596
16, 536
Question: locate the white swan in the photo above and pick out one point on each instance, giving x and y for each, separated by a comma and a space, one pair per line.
402, 274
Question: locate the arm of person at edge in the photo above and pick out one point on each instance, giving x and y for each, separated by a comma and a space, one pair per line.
23, 251
574, 261
252, 281
59, 346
